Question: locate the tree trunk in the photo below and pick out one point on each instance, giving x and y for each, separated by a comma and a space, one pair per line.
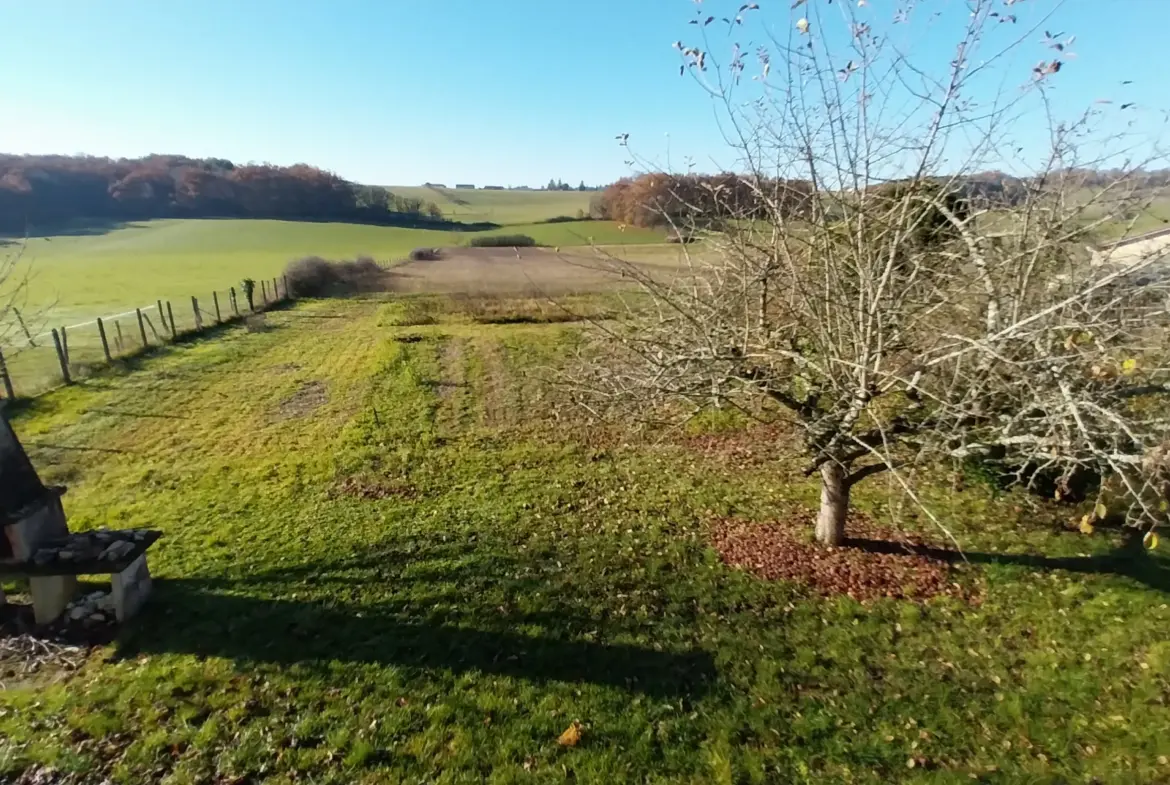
834, 504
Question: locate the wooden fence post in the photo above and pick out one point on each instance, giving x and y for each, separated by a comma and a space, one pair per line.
195, 308
264, 291
141, 328
286, 296
215, 300
162, 315
171, 316
65, 345
105, 341
275, 291
235, 302
9, 393
61, 356
118, 340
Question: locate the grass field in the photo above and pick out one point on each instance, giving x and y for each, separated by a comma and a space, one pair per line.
76, 278
1153, 217
91, 275
502, 207
387, 559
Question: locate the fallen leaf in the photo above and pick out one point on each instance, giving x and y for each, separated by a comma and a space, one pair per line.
1150, 540
572, 735
1086, 526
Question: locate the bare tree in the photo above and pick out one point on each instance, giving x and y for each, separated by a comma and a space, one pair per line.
909, 308
18, 321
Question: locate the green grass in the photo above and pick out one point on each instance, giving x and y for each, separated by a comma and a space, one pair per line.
92, 275
76, 278
1154, 216
521, 573
584, 233
502, 207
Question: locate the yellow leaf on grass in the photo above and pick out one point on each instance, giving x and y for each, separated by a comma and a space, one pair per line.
1150, 540
572, 735
1128, 367
1086, 526
1100, 511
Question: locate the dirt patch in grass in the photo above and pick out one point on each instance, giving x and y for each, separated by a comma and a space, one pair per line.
309, 397
374, 488
494, 384
452, 368
497, 271
876, 562
30, 654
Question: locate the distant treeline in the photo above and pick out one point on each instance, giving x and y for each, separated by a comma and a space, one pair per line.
659, 199
49, 190
561, 185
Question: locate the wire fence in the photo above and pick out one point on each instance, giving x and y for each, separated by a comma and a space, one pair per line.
68, 353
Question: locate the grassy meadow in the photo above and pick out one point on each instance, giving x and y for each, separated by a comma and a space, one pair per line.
89, 275
391, 555
104, 271
501, 207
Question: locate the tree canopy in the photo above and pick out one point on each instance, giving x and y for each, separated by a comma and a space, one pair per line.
52, 189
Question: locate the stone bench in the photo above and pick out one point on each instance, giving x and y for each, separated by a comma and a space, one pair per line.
53, 568
35, 542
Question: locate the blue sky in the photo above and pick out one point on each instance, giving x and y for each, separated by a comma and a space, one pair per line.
404, 91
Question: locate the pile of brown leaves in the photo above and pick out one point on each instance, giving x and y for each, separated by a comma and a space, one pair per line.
876, 562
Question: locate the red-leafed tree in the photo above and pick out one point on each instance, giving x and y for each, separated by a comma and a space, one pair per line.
43, 190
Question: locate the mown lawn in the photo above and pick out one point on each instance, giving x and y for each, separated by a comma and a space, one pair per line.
387, 560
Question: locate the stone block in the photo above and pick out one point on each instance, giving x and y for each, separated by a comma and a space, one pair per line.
50, 595
39, 524
131, 587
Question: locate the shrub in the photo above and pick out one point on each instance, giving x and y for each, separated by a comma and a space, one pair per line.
502, 241
680, 236
249, 287
599, 205
312, 276
425, 255
361, 268
563, 219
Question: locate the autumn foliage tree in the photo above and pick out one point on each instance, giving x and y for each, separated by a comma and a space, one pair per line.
47, 190
660, 198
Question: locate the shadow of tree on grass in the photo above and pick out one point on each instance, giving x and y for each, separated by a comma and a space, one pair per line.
417, 602
1129, 560
185, 618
